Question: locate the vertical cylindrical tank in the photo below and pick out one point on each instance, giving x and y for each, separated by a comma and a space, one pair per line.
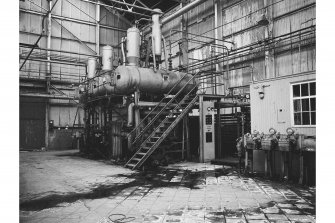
91, 67
157, 32
133, 46
107, 58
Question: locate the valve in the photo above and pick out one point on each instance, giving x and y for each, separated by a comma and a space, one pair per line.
292, 138
274, 138
257, 137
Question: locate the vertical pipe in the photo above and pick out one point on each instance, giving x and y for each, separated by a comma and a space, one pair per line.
153, 52
48, 75
188, 151
137, 111
165, 54
97, 28
218, 124
122, 51
183, 143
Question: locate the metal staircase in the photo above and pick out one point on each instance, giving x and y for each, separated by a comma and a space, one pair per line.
161, 121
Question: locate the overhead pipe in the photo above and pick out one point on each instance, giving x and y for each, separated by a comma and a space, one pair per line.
177, 13
79, 21
49, 96
116, 8
24, 45
182, 11
132, 5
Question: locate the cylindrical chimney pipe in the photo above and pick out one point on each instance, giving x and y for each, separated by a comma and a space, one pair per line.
157, 32
107, 58
133, 46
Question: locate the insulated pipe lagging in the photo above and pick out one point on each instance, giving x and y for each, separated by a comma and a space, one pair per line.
107, 57
156, 33
122, 51
128, 79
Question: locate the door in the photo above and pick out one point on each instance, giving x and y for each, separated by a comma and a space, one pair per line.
32, 123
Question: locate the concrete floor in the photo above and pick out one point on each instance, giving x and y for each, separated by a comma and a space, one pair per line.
63, 187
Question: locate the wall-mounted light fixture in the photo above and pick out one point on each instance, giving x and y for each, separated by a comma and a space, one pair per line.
261, 93
263, 21
51, 124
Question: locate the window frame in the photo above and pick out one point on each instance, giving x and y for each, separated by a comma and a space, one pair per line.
301, 97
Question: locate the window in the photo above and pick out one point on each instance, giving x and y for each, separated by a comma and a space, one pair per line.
304, 103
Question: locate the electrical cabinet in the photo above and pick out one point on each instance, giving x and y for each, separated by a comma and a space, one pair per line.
207, 145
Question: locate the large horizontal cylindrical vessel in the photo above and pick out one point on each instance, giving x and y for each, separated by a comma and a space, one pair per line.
133, 45
130, 78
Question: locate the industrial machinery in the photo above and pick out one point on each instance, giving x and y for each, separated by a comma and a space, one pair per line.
207, 131
131, 108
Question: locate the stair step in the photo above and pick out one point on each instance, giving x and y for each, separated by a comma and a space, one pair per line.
145, 148
131, 165
141, 154
136, 159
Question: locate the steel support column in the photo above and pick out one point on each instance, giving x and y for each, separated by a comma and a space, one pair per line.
201, 129
218, 36
184, 42
97, 28
48, 77
269, 54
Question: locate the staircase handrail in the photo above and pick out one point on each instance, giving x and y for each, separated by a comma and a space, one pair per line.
160, 112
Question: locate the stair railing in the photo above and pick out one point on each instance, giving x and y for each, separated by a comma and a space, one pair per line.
160, 112
177, 106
